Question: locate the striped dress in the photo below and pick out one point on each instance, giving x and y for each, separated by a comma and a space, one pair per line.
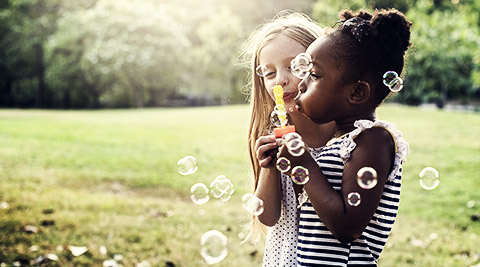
316, 244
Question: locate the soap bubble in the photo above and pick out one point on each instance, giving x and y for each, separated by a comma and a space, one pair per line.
300, 175
279, 117
295, 145
199, 193
301, 65
214, 246
222, 188
353, 199
283, 164
393, 81
187, 165
261, 70
429, 178
367, 177
252, 204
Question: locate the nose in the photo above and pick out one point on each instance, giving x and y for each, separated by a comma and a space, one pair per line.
283, 78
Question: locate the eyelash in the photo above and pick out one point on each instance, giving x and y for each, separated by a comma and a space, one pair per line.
314, 76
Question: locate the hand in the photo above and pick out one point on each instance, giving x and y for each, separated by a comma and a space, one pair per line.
266, 148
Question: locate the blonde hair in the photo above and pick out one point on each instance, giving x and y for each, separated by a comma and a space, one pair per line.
296, 26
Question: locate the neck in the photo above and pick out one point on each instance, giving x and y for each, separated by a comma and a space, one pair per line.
346, 125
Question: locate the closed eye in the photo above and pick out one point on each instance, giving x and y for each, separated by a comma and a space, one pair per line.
314, 76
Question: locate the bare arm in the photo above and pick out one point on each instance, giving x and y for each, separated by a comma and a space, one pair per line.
269, 183
374, 149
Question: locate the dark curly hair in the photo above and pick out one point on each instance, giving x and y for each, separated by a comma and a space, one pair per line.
368, 45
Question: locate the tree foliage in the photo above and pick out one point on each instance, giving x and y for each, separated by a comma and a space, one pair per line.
108, 53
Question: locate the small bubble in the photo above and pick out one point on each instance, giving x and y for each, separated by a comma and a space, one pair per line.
295, 144
199, 193
213, 246
252, 204
283, 164
300, 175
393, 81
367, 177
429, 178
353, 199
187, 165
222, 188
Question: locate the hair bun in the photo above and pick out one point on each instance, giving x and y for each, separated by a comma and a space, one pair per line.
348, 14
392, 30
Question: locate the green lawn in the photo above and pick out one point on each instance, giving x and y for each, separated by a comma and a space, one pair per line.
108, 178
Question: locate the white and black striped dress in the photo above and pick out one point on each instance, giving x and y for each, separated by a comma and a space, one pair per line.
316, 244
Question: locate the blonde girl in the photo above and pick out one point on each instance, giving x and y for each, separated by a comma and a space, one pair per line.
270, 49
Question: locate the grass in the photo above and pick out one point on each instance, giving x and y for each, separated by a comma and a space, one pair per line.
108, 178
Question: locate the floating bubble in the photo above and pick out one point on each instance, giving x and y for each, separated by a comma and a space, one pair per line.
301, 65
199, 193
261, 70
279, 117
429, 178
214, 246
252, 204
222, 188
296, 147
367, 177
300, 175
283, 164
393, 81
187, 165
353, 199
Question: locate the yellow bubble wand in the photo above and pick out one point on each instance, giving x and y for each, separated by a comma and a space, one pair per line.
281, 112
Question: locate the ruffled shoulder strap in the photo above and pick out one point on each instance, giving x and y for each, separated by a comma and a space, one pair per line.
401, 146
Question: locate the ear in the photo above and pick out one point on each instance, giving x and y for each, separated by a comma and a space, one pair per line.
360, 93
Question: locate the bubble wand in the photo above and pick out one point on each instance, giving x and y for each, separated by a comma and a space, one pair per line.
279, 114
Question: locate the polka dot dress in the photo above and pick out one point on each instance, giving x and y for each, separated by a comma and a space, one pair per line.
281, 240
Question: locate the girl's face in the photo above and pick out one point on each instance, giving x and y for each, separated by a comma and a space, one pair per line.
324, 97
275, 58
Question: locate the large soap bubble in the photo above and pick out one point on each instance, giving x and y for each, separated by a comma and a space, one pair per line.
213, 246
187, 165
429, 178
252, 204
199, 193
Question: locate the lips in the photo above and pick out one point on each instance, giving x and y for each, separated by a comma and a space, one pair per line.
289, 95
298, 106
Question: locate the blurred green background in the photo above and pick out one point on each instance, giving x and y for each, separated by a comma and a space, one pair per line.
101, 176
150, 53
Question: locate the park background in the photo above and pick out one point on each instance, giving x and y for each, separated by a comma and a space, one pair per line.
101, 98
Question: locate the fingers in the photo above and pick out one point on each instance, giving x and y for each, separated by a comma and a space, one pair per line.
263, 148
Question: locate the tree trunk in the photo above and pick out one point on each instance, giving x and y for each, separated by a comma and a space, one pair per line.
40, 74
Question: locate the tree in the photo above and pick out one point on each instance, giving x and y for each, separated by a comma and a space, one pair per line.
444, 56
215, 67
126, 56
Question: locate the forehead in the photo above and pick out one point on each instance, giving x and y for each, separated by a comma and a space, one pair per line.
321, 51
279, 48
